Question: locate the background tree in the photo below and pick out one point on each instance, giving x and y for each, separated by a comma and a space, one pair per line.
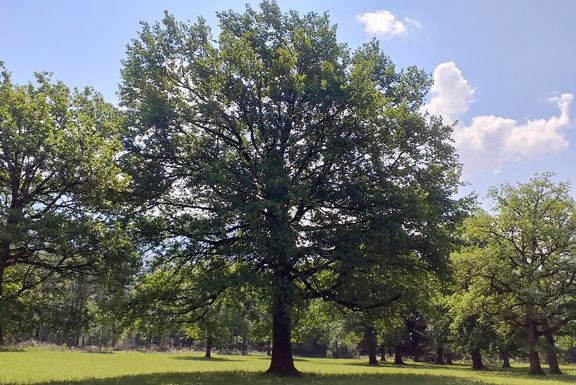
274, 148
524, 258
57, 162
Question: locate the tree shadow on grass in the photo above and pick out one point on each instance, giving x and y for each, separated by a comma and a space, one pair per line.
250, 378
200, 358
409, 365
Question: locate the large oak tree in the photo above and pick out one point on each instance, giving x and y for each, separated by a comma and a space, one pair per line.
274, 151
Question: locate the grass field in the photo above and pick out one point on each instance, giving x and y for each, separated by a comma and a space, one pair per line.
72, 367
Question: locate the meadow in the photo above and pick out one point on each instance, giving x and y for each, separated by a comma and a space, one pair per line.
63, 367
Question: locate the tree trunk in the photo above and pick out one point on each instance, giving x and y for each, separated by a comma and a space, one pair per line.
382, 353
244, 347
449, 359
506, 361
477, 359
209, 343
371, 344
532, 334
439, 359
3, 257
398, 357
282, 363
551, 354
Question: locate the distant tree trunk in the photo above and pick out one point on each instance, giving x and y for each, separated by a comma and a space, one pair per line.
282, 363
398, 356
553, 366
243, 346
382, 352
532, 334
505, 360
449, 359
77, 337
477, 359
439, 359
370, 342
101, 342
209, 343
5, 247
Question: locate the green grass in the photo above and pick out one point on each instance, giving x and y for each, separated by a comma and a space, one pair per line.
45, 367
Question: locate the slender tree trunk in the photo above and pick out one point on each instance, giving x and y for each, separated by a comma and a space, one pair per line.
398, 356
370, 341
505, 360
477, 359
449, 359
243, 346
209, 343
439, 359
553, 366
382, 352
282, 363
3, 258
532, 334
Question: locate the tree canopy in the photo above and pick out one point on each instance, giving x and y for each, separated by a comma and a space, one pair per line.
57, 162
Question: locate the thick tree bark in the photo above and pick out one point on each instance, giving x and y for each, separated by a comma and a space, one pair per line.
371, 344
505, 361
209, 344
282, 363
398, 357
439, 359
553, 366
532, 334
477, 359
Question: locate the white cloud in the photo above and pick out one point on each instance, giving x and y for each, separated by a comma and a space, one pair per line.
415, 23
491, 141
384, 24
451, 93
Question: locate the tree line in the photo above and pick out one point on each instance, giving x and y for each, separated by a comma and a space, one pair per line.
269, 188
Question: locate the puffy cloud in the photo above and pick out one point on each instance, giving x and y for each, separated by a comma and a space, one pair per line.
494, 140
451, 93
490, 141
384, 24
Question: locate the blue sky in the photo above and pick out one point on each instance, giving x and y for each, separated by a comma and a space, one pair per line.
506, 70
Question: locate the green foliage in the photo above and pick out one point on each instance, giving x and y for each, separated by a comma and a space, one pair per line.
523, 258
517, 270
58, 152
